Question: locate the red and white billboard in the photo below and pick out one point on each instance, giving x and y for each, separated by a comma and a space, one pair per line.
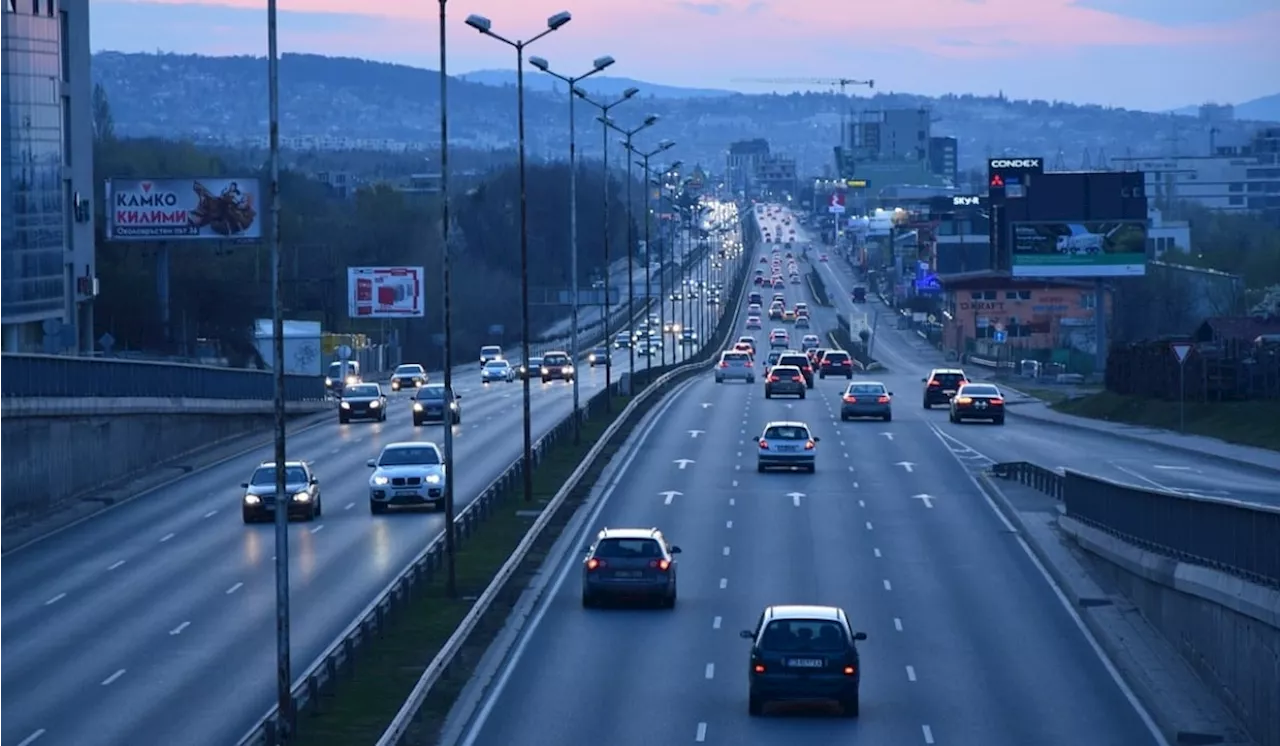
384, 292
835, 204
183, 209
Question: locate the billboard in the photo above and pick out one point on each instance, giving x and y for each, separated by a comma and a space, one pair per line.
183, 209
384, 292
1079, 249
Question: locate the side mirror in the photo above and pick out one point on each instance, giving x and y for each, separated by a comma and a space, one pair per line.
747, 634
372, 463
676, 550
457, 396
859, 636
890, 393
315, 480
924, 380
244, 485
816, 439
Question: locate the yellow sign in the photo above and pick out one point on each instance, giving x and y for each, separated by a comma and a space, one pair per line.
856, 183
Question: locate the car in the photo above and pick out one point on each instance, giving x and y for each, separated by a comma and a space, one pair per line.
410, 473
622, 340
942, 384
755, 299
802, 653
688, 337
735, 365
753, 322
557, 365
802, 309
497, 370
490, 352
778, 284
300, 483
342, 373
809, 342
408, 377
363, 400
787, 445
784, 380
775, 312
630, 563
676, 296
749, 341
802, 322
799, 360
795, 279
836, 363
759, 280
535, 365
780, 298
788, 317
671, 327
978, 401
598, 356
866, 399
822, 258
428, 405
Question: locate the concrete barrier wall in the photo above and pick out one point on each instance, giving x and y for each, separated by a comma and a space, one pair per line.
62, 450
1227, 628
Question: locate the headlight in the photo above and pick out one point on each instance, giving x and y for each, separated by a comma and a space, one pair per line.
374, 404
544, 371
433, 479
252, 499
380, 480
302, 497
345, 405
417, 407
351, 380
328, 381
453, 405
568, 369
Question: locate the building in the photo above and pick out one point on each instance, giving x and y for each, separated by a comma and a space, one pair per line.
48, 269
776, 175
1217, 113
744, 157
944, 159
1163, 235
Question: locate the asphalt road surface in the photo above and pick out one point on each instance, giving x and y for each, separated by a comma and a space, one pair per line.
154, 622
969, 642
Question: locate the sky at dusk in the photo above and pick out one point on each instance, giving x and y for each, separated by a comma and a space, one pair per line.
1144, 54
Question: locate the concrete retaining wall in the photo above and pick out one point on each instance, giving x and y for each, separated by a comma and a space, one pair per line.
59, 450
1226, 627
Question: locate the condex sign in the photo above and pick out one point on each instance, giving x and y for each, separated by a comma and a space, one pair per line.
1015, 163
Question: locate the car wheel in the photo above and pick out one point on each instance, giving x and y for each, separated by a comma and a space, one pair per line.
849, 706
417, 422
588, 601
760, 468
848, 377
755, 706
952, 417
546, 380
457, 419
888, 417
247, 516
767, 394
926, 405
999, 420
343, 420
377, 508
813, 468
319, 506
669, 602
844, 417
802, 394
719, 379
311, 514
751, 379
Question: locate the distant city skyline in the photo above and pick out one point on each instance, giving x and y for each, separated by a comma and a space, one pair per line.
1153, 55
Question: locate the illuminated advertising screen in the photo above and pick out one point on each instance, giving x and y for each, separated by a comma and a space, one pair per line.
1079, 249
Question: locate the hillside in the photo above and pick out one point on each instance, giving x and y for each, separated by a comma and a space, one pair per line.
224, 99
605, 86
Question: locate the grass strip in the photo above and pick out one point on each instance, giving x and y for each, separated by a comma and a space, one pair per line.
819, 289
357, 710
1250, 423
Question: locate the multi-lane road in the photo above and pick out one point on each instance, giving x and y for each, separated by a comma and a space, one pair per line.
153, 623
969, 640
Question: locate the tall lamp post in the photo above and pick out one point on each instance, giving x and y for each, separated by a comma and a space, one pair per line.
667, 251
600, 64
608, 279
663, 146
485, 27
446, 280
627, 134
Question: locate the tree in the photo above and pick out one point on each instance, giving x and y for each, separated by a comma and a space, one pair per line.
104, 126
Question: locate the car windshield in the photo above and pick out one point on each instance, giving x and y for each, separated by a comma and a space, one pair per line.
981, 390
735, 357
836, 357
555, 360
624, 548
804, 635
786, 432
865, 388
267, 475
797, 360
415, 455
409, 370
360, 391
431, 392
497, 365
339, 369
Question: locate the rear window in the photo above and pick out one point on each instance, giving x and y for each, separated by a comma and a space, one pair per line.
981, 390
786, 370
804, 635
624, 548
800, 361
494, 350
736, 357
836, 357
949, 379
865, 388
786, 432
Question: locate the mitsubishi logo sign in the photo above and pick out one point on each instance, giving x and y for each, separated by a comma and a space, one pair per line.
1015, 163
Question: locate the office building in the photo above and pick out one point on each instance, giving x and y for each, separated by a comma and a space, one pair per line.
744, 157
48, 268
944, 160
776, 175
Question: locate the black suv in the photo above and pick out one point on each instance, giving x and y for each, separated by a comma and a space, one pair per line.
836, 363
804, 654
556, 365
941, 385
630, 563
301, 484
801, 361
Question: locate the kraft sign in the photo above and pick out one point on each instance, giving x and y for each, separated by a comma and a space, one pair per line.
1017, 164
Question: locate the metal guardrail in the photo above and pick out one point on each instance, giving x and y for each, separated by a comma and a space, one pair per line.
1048, 481
1239, 538
326, 668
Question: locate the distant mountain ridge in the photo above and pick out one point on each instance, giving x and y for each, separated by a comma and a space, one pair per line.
1265, 109
602, 85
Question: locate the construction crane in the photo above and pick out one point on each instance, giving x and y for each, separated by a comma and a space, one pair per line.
843, 83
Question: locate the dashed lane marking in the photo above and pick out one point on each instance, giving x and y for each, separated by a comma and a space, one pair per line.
887, 585
165, 538
715, 623
928, 733
234, 588
911, 673
724, 583
876, 551
897, 624
112, 678
55, 599
32, 738
211, 514
869, 527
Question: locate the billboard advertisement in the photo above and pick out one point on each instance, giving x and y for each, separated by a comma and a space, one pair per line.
1084, 249
384, 292
183, 209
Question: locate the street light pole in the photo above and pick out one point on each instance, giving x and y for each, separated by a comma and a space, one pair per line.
648, 265
284, 666
608, 279
600, 64
446, 279
485, 27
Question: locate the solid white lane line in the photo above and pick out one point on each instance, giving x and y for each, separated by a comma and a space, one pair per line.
317, 529
928, 733
699, 738
869, 526
112, 678
211, 514
31, 738
116, 564
711, 671
715, 623
887, 586
178, 629
724, 583
165, 538
726, 551
897, 624
876, 550
55, 599
911, 673
234, 588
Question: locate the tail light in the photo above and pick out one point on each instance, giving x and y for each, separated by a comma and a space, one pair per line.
847, 363
798, 379
724, 364
826, 363
934, 384
661, 564
773, 379
758, 668
882, 400
997, 401
850, 399
594, 564
963, 400
764, 443
808, 446
850, 670
749, 364
807, 369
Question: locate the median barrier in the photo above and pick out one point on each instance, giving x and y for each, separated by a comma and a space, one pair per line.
1048, 481
340, 654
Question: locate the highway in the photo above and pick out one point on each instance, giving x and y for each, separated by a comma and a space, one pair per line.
969, 642
154, 622
909, 359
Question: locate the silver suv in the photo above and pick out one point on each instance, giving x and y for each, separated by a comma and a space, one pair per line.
735, 366
787, 445
630, 563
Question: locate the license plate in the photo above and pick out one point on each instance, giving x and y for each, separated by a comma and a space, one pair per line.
982, 405
805, 663
949, 393
406, 494
787, 449
627, 574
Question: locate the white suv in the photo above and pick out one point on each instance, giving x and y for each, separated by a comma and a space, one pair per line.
410, 473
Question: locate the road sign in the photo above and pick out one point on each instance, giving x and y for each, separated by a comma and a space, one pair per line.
344, 352
1001, 336
1180, 351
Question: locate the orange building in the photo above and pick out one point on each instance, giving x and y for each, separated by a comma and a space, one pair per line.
992, 315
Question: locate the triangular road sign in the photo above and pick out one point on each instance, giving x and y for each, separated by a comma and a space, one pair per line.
1180, 351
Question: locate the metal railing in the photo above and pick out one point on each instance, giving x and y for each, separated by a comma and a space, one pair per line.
1048, 481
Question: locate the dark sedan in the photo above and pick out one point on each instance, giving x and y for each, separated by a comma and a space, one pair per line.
429, 404
363, 401
978, 401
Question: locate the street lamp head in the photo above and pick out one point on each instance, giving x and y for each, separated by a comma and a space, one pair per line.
479, 23
667, 144
651, 120
540, 63
675, 165
601, 63
630, 92
559, 19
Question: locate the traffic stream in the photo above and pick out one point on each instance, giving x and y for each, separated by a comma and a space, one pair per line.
154, 622
969, 642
